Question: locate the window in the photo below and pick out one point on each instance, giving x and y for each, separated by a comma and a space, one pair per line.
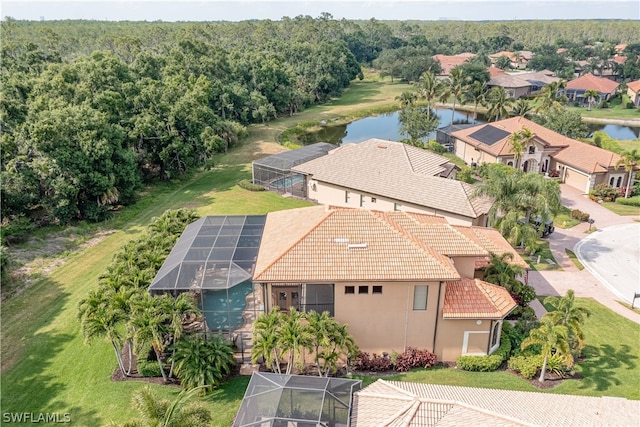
396, 206
496, 334
532, 149
611, 181
420, 293
363, 289
349, 290
362, 200
376, 290
510, 164
347, 196
373, 200
619, 183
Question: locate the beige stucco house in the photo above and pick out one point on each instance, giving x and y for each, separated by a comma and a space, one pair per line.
386, 176
516, 85
576, 88
578, 164
398, 279
633, 90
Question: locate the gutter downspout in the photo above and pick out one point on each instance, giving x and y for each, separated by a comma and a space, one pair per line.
406, 318
435, 330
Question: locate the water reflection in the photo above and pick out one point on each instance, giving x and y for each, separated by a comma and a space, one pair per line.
387, 126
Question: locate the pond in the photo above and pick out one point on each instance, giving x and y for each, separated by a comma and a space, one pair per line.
387, 126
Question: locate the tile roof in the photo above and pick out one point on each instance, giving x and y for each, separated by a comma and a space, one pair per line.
584, 157
395, 403
634, 85
449, 62
493, 242
399, 172
495, 71
339, 244
589, 81
523, 79
476, 299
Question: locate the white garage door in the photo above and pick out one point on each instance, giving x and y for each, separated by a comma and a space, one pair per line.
576, 180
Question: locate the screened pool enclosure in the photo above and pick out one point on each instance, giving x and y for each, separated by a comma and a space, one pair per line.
274, 172
296, 400
214, 259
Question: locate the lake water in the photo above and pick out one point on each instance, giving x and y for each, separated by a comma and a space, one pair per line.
387, 126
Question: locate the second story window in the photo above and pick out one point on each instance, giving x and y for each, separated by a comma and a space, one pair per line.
532, 149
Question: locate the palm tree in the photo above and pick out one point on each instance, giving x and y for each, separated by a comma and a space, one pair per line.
429, 88
329, 341
407, 99
521, 108
202, 362
123, 302
502, 271
477, 93
551, 95
553, 339
157, 412
266, 339
150, 323
567, 313
293, 337
497, 102
177, 309
629, 160
98, 320
592, 96
519, 141
456, 87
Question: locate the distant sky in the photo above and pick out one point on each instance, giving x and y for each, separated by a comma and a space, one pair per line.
238, 10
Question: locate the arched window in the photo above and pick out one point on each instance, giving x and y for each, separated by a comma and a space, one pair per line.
510, 164
611, 181
619, 181
495, 337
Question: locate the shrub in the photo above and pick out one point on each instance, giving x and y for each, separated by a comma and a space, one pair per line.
436, 147
527, 366
466, 175
622, 191
631, 201
248, 185
579, 215
148, 368
372, 363
414, 358
486, 363
604, 192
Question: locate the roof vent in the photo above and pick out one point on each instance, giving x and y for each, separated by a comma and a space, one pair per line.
382, 146
357, 245
340, 240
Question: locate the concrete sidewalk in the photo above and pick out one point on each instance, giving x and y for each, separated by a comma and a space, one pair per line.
582, 282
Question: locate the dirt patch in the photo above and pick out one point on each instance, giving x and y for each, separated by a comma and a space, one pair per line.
39, 256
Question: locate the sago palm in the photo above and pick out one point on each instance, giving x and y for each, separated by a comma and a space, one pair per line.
202, 362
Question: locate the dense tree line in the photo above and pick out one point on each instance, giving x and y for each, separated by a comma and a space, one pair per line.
93, 110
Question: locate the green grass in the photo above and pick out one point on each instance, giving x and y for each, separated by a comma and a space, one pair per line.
629, 144
619, 209
544, 253
563, 220
572, 256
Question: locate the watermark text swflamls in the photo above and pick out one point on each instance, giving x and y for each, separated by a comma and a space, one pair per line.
36, 417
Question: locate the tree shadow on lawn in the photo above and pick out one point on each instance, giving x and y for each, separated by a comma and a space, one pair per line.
601, 368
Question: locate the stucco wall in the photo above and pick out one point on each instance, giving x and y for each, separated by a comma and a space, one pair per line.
333, 195
465, 265
451, 338
470, 155
387, 321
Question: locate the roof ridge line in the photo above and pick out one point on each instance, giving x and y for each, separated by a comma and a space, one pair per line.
327, 214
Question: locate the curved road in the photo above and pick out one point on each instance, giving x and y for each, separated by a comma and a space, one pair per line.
613, 256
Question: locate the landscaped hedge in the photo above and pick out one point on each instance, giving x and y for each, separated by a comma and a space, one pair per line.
579, 215
248, 185
148, 368
410, 359
527, 366
486, 363
631, 201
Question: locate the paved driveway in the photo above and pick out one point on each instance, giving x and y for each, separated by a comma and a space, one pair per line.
588, 282
612, 256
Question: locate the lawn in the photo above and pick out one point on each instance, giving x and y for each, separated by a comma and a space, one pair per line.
620, 209
46, 367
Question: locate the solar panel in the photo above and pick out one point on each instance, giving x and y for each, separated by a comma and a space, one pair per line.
489, 135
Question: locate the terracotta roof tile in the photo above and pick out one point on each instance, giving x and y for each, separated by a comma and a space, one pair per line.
394, 402
399, 172
314, 244
493, 242
589, 81
449, 62
634, 86
584, 157
476, 299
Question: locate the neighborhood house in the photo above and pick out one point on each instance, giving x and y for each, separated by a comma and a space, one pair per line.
578, 164
392, 176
